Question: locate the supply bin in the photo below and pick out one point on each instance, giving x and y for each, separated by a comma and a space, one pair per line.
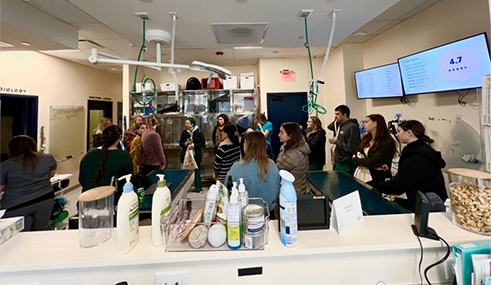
186, 217
470, 194
96, 216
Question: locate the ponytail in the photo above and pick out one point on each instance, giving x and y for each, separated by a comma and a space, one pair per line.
427, 139
110, 136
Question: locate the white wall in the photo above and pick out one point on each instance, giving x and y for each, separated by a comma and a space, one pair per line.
58, 82
444, 22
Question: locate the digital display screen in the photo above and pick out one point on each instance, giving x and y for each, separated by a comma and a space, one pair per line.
454, 66
379, 82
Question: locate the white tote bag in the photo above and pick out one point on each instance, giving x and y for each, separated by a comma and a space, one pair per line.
363, 174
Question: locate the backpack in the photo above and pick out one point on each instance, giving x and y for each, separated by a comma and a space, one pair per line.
138, 154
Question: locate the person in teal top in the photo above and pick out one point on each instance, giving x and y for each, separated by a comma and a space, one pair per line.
261, 176
99, 165
264, 126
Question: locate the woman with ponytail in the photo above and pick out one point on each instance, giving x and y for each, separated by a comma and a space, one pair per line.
100, 165
419, 167
25, 184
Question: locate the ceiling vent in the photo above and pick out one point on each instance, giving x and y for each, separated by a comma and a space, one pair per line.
240, 33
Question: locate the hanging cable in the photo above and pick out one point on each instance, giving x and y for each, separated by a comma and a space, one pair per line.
144, 102
313, 86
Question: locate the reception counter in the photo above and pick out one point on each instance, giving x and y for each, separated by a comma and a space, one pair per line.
380, 249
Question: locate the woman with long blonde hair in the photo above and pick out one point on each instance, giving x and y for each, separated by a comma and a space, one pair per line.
261, 176
103, 123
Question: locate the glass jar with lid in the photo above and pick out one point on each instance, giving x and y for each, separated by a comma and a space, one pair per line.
470, 195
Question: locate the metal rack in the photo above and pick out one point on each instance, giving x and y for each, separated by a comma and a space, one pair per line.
204, 106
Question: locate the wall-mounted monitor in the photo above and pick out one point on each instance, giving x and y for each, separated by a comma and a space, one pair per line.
454, 66
379, 82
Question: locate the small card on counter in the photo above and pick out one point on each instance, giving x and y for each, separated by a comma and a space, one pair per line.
346, 212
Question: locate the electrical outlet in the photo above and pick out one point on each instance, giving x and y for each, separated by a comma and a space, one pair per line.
172, 278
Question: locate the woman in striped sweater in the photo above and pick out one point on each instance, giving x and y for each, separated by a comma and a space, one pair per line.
227, 153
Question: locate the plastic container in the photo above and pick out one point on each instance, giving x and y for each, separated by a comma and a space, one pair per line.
186, 209
470, 195
288, 210
96, 216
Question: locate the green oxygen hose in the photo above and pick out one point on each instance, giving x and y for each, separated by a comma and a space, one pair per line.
144, 103
314, 87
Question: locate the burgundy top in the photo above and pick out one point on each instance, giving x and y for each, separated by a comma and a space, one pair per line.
153, 149
128, 137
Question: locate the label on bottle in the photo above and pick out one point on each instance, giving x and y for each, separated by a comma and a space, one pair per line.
248, 241
134, 223
288, 222
233, 228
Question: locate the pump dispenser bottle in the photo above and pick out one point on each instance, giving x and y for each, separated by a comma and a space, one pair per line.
234, 233
161, 205
288, 210
127, 218
243, 195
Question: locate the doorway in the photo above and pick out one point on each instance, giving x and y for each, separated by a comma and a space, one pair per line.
19, 117
285, 107
96, 110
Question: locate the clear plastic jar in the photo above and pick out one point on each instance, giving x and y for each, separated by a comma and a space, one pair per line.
470, 194
96, 216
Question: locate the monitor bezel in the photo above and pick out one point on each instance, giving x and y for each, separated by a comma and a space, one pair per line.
376, 67
446, 90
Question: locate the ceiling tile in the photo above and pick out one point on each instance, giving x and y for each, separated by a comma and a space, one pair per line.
189, 55
97, 32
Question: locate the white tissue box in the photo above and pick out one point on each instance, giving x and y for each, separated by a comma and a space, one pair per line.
170, 86
9, 227
247, 80
230, 83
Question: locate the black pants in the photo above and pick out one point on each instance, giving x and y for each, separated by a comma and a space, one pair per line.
36, 216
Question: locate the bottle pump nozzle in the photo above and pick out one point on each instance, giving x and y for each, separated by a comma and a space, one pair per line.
128, 186
161, 182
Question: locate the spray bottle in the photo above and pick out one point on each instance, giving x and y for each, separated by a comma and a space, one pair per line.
234, 233
288, 210
243, 195
127, 218
161, 205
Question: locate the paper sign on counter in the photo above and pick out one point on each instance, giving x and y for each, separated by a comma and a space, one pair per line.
346, 212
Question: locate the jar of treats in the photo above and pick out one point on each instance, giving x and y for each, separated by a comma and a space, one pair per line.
470, 195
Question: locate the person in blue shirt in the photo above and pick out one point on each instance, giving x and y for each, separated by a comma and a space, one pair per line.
261, 176
264, 126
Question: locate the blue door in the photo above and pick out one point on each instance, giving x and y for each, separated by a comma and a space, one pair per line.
285, 107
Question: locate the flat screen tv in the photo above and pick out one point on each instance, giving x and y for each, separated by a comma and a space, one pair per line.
454, 66
379, 82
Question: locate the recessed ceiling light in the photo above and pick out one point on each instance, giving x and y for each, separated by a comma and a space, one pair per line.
242, 1
26, 43
248, 47
4, 44
275, 51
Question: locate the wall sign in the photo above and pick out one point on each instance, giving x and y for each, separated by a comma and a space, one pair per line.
12, 90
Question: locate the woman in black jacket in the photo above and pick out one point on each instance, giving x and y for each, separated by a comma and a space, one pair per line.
419, 167
192, 138
217, 135
376, 148
316, 138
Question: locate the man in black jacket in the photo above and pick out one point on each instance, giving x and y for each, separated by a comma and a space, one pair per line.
346, 139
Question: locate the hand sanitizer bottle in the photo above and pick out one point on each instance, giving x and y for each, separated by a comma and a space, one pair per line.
127, 218
234, 233
161, 206
288, 210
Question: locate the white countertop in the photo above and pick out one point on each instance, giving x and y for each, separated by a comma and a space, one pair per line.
47, 250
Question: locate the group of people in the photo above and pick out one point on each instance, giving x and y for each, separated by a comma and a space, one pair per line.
419, 167
240, 152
